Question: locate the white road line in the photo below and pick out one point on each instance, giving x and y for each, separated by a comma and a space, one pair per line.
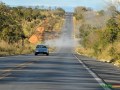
99, 80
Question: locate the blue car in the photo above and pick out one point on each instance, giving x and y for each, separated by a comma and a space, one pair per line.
41, 49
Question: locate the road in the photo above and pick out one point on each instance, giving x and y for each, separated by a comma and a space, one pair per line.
62, 70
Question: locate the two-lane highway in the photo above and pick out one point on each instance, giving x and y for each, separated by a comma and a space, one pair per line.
59, 71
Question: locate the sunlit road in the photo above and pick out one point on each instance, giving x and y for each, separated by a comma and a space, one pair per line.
62, 70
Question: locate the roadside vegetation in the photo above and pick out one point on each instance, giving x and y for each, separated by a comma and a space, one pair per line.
99, 33
17, 24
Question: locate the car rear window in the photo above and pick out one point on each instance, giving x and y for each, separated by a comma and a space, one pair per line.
44, 47
40, 46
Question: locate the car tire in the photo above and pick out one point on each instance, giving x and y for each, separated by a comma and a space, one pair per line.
47, 54
35, 54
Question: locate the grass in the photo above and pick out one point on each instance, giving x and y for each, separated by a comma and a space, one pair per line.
105, 54
17, 49
14, 49
52, 49
117, 63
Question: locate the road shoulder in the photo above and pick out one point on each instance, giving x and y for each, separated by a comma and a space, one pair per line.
106, 71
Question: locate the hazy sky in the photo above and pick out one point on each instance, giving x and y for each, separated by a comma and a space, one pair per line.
94, 4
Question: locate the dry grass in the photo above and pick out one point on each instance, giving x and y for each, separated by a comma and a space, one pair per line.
52, 49
117, 63
17, 49
83, 51
104, 56
14, 49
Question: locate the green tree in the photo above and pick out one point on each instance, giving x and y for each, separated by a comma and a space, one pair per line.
112, 30
59, 11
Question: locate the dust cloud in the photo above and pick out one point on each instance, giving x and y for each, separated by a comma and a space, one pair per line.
66, 38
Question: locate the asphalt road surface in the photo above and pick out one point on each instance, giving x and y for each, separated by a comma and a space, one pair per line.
62, 70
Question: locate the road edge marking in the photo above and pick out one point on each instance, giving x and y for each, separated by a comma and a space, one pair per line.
99, 80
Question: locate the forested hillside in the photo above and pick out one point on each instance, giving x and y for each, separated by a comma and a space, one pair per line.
99, 33
18, 24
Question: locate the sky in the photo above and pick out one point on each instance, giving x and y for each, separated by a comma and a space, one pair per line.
68, 5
